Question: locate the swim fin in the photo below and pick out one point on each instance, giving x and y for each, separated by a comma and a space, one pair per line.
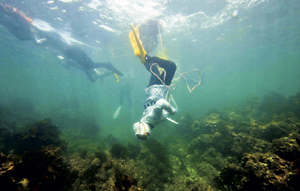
137, 46
110, 67
103, 75
117, 112
117, 78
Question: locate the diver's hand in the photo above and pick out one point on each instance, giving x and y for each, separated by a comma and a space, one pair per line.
175, 111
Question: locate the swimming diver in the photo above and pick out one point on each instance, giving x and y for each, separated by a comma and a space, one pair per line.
156, 106
125, 93
24, 28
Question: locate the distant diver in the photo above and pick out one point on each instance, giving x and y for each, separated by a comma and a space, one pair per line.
125, 94
156, 106
25, 28
149, 32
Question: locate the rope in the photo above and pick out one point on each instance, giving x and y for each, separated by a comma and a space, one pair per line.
169, 87
182, 74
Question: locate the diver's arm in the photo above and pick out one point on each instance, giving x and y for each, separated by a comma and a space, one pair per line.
163, 104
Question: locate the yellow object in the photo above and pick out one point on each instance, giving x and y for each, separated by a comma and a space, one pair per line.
137, 46
162, 55
24, 182
117, 78
161, 70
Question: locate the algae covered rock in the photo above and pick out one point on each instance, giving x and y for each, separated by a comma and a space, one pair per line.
112, 174
36, 155
257, 171
244, 143
275, 130
286, 148
207, 171
221, 142
118, 151
201, 143
210, 124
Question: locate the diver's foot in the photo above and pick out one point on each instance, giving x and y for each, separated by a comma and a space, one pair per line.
110, 67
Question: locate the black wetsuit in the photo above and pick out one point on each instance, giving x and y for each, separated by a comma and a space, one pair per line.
15, 21
167, 65
126, 92
86, 64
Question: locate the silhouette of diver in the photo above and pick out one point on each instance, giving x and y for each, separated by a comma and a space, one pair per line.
24, 28
148, 34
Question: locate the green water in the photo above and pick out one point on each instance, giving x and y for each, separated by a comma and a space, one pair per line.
248, 56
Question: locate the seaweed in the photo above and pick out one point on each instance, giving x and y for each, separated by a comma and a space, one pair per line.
257, 171
101, 155
118, 151
34, 159
159, 151
133, 150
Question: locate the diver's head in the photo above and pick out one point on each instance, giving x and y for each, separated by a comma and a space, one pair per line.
141, 130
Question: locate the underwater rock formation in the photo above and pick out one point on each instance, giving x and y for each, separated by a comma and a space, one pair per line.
250, 147
257, 144
34, 159
258, 171
94, 174
118, 151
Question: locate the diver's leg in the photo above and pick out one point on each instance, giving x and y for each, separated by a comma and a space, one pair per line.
122, 95
103, 75
91, 76
100, 65
168, 66
108, 66
77, 54
129, 100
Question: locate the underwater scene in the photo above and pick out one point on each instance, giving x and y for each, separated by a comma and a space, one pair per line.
149, 95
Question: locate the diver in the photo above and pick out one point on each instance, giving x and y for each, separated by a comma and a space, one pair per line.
157, 92
24, 28
125, 94
149, 32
